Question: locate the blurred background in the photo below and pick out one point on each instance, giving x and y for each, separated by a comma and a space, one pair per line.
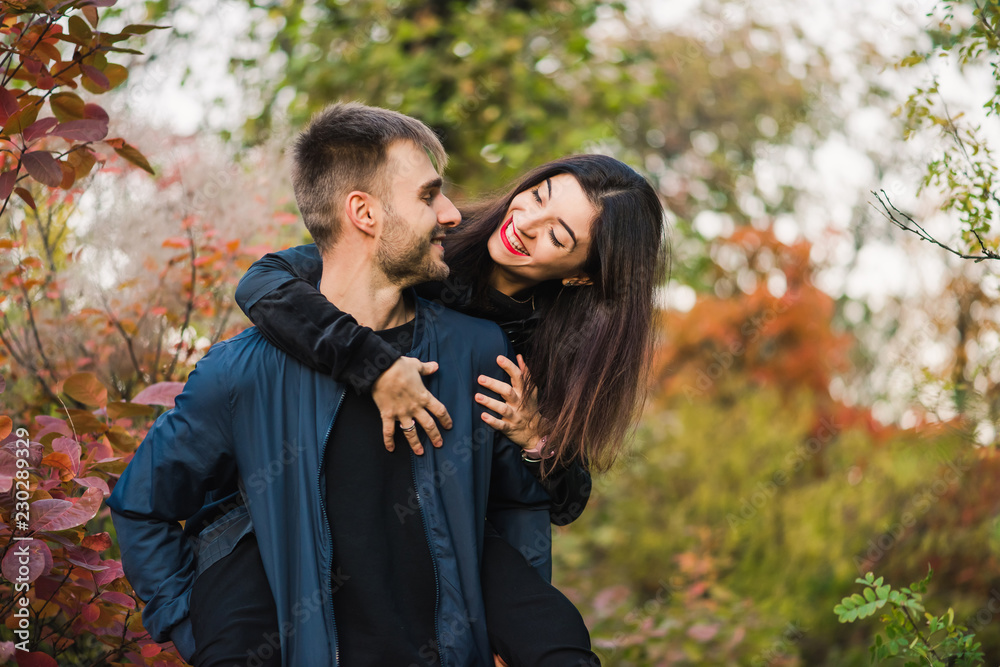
824, 395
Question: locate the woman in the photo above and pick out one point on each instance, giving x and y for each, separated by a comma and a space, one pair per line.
566, 262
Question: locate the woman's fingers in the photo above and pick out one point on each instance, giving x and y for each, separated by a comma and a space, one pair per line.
498, 424
499, 407
512, 370
500, 387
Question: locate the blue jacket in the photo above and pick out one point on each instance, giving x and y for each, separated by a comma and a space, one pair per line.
251, 415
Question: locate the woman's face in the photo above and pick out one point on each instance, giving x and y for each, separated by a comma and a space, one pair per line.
545, 235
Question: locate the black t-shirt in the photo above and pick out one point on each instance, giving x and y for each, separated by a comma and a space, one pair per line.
384, 591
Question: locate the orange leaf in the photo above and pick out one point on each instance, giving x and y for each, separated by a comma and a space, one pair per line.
119, 410
6, 426
131, 154
98, 542
60, 462
87, 389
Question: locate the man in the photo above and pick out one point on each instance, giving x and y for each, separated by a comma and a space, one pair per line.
386, 543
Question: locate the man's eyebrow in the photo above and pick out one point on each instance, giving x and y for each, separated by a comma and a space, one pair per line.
434, 184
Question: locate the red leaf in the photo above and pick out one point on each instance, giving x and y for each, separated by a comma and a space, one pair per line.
94, 483
7, 180
39, 129
52, 425
35, 659
86, 559
161, 393
95, 112
58, 515
703, 632
71, 448
113, 572
43, 168
26, 196
38, 557
149, 650
96, 75
82, 130
8, 105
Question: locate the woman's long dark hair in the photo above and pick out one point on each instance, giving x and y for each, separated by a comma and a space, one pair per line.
589, 353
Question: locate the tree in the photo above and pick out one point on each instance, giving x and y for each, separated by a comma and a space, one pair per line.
966, 33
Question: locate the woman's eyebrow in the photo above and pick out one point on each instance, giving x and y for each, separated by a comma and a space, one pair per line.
571, 234
548, 182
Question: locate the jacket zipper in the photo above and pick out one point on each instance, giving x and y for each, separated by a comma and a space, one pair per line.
326, 525
430, 548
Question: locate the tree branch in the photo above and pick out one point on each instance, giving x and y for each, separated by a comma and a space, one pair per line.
908, 224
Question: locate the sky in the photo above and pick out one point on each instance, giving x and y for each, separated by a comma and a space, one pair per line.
193, 90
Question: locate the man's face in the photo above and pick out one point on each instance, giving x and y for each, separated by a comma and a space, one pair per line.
416, 213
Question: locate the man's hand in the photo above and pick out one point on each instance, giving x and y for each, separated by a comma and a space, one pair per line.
518, 410
403, 400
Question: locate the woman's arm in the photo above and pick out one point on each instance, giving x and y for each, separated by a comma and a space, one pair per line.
279, 295
568, 486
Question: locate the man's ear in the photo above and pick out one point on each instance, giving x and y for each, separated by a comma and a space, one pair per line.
362, 211
577, 280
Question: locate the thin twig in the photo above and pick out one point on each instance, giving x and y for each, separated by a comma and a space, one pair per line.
889, 211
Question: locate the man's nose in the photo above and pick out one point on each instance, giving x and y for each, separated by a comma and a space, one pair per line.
448, 215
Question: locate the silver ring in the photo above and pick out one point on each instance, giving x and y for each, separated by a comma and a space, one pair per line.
407, 429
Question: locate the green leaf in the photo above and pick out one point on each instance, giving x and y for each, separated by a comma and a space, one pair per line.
67, 106
79, 29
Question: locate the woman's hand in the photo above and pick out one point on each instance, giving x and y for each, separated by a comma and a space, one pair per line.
404, 401
518, 410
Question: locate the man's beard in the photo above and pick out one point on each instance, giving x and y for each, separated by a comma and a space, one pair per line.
405, 258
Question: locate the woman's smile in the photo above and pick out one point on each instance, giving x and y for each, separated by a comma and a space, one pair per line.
511, 240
